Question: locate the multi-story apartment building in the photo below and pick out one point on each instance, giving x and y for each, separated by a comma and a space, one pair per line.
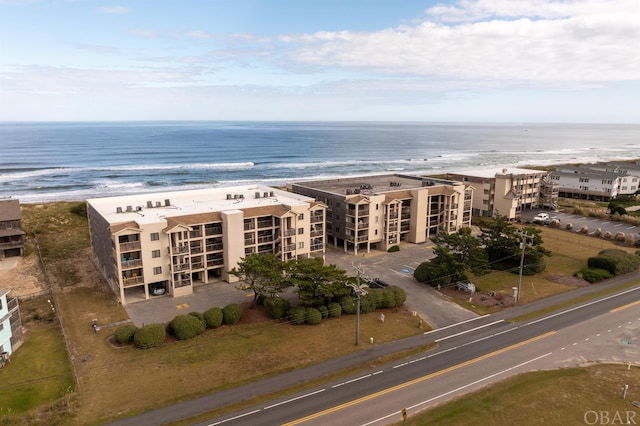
377, 212
10, 325
11, 233
588, 184
144, 244
509, 191
629, 182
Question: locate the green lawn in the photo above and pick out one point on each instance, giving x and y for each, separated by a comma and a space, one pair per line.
556, 397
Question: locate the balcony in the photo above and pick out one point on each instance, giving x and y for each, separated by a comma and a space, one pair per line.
180, 267
265, 239
195, 234
215, 262
214, 230
316, 247
180, 249
265, 223
132, 281
248, 226
196, 250
316, 218
249, 241
132, 263
289, 232
316, 233
214, 247
181, 283
130, 246
197, 265
289, 248
11, 244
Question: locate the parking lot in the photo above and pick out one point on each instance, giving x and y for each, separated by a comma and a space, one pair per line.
591, 223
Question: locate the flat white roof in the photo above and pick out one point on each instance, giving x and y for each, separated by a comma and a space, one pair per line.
493, 171
180, 203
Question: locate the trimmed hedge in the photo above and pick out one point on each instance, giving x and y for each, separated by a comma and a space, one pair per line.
213, 317
369, 302
323, 311
297, 315
200, 316
594, 275
312, 316
399, 294
124, 333
149, 336
278, 307
185, 327
615, 261
335, 310
348, 304
393, 249
231, 314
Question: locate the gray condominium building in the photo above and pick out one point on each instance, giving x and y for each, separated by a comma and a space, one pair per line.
169, 242
378, 212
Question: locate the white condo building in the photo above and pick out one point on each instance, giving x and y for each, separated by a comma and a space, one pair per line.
175, 240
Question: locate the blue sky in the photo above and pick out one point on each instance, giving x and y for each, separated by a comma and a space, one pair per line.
404, 60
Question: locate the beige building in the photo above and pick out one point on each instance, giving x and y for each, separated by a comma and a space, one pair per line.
509, 191
377, 212
168, 242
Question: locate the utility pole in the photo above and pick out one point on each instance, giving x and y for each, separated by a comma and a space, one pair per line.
524, 236
359, 291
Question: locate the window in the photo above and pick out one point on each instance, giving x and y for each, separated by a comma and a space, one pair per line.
300, 231
300, 245
155, 236
301, 216
157, 270
155, 253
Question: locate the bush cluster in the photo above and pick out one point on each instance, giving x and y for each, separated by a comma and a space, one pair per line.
614, 261
149, 336
593, 275
124, 333
278, 307
185, 327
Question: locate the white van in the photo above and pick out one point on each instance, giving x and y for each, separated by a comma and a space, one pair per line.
542, 218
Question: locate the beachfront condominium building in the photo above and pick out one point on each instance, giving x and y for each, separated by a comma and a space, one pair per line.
509, 191
11, 233
151, 243
378, 212
10, 325
588, 184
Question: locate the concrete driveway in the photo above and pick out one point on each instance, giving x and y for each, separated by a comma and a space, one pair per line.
397, 269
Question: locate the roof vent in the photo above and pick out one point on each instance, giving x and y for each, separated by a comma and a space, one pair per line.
271, 193
118, 209
266, 194
167, 202
229, 196
129, 208
158, 204
149, 204
257, 194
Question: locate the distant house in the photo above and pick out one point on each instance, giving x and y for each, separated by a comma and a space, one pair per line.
509, 191
11, 233
10, 324
629, 173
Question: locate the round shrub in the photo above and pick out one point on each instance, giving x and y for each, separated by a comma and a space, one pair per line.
200, 316
399, 294
387, 298
323, 311
213, 317
348, 304
231, 314
368, 302
124, 333
584, 229
278, 307
335, 310
297, 315
393, 249
607, 235
312, 316
594, 275
569, 226
149, 336
185, 327
598, 232
619, 236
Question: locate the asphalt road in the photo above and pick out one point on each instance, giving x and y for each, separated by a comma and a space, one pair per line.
473, 338
462, 361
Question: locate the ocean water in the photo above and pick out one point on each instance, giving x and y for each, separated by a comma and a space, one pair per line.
42, 162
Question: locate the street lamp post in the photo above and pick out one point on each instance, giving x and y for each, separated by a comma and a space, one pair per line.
522, 247
359, 291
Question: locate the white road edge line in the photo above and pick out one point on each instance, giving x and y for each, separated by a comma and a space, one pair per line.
395, 413
468, 331
294, 399
235, 418
453, 325
583, 306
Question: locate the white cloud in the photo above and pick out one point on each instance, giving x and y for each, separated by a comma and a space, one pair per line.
540, 41
114, 10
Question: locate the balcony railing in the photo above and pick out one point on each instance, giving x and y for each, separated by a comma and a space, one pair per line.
213, 231
180, 267
289, 232
316, 233
180, 249
316, 247
135, 263
130, 282
249, 241
11, 244
265, 239
249, 226
289, 247
214, 247
196, 249
134, 245
181, 283
215, 262
12, 304
265, 223
316, 218
197, 265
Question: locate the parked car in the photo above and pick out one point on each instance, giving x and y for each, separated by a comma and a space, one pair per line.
542, 218
157, 289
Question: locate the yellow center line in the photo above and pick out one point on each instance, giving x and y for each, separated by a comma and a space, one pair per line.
414, 381
625, 306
